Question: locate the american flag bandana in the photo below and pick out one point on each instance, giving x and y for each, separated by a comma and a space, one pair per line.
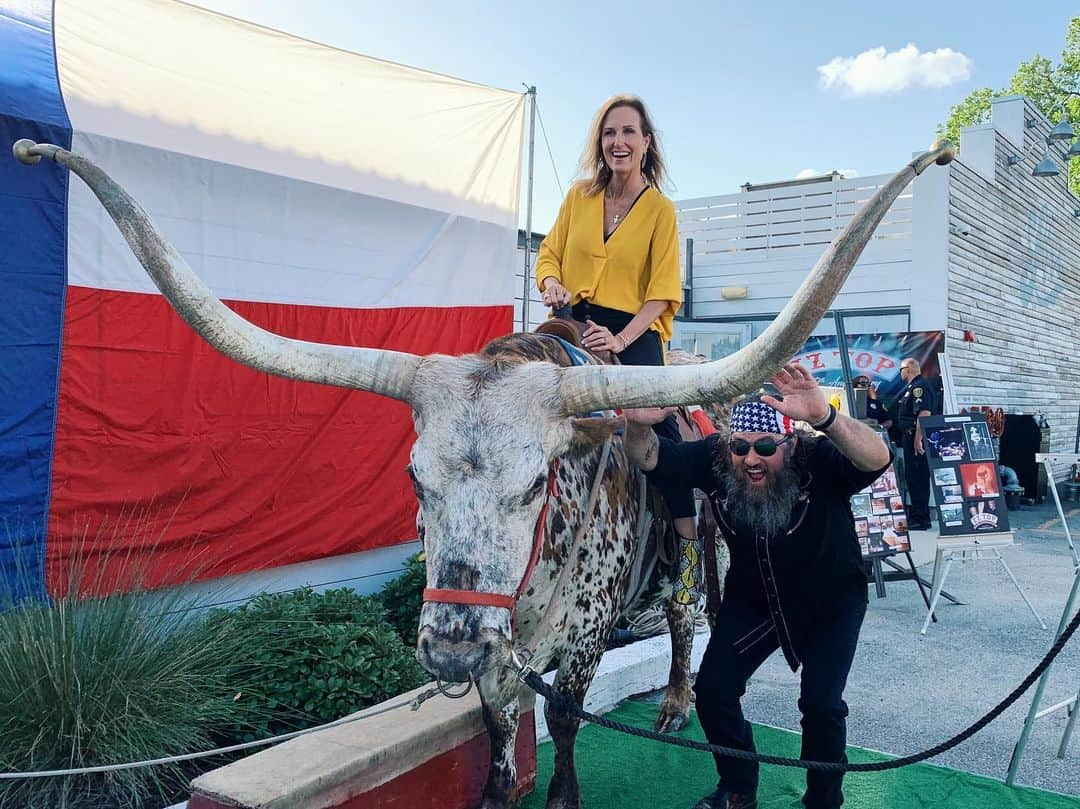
758, 417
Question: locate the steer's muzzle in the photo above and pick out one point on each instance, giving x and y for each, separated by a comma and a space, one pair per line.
456, 660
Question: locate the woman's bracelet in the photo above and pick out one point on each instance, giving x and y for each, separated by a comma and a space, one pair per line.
825, 425
622, 342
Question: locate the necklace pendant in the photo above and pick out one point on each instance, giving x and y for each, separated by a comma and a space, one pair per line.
615, 219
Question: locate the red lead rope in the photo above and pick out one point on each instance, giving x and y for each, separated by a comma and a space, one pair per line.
481, 599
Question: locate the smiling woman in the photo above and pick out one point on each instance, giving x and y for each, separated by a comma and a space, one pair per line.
613, 252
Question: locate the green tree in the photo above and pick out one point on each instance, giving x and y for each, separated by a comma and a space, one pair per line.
1046, 84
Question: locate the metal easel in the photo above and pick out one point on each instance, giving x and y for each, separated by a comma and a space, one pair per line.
1071, 705
981, 546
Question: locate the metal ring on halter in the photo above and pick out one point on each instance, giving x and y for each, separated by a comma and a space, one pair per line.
523, 669
446, 692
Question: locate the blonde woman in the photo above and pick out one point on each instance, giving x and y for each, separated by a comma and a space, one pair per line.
613, 253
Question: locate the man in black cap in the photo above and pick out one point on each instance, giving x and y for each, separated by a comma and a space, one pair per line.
796, 581
917, 399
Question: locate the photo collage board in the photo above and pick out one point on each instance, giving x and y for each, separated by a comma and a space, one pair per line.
964, 474
880, 518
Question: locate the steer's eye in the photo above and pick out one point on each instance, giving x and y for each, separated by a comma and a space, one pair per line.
415, 483
534, 490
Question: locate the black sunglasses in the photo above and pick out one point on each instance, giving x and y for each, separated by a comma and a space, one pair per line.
764, 447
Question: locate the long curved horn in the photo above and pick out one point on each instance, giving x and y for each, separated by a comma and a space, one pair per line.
593, 387
389, 373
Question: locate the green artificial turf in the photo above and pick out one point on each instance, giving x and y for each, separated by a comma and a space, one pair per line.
616, 770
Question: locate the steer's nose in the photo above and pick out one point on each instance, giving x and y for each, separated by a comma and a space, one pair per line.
456, 661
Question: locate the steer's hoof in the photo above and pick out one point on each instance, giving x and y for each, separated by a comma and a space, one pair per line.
671, 721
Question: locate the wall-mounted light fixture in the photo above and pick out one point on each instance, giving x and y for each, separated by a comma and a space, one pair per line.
734, 293
1061, 133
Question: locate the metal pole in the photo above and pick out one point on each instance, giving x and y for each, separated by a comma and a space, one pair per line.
688, 302
526, 289
845, 360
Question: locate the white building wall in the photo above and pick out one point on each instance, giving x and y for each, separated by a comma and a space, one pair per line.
1014, 275
768, 240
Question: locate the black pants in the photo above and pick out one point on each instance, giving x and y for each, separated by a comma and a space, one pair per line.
645, 350
917, 477
741, 641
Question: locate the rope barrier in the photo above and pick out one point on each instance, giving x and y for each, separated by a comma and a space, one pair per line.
153, 762
566, 704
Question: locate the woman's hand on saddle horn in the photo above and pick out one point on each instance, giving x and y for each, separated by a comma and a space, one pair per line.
555, 294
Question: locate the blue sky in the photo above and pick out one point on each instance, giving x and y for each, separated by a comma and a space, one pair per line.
735, 87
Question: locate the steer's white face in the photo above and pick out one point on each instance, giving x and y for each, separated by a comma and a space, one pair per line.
480, 466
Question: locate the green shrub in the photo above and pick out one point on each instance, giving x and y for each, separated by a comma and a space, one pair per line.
402, 598
124, 677
315, 657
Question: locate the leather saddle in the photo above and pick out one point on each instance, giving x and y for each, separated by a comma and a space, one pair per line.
562, 324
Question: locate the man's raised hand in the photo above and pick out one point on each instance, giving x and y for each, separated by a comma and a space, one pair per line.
804, 400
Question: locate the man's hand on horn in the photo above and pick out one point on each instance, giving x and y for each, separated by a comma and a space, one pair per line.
804, 400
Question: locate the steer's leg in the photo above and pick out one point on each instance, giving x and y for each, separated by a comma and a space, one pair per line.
580, 660
675, 707
496, 688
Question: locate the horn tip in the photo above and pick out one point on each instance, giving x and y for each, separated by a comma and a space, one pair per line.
22, 151
947, 149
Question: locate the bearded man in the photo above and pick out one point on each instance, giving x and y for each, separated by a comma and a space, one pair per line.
797, 580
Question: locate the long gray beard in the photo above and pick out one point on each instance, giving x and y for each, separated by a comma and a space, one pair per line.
758, 511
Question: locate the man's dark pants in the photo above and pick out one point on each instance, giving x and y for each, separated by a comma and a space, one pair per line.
738, 647
917, 476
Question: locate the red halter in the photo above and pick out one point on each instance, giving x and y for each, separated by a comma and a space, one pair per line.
481, 599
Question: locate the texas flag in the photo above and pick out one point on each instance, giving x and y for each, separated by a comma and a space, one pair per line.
322, 195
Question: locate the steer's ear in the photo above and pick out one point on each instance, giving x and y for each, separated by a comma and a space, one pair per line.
591, 432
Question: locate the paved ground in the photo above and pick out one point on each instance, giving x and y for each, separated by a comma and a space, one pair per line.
908, 692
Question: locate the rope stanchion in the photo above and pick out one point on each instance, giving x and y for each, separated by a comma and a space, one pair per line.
566, 704
415, 703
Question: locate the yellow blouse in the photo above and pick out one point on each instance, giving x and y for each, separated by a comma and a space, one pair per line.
638, 263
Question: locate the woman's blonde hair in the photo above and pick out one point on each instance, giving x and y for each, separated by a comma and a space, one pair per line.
594, 171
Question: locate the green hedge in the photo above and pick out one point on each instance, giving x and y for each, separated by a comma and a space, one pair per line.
315, 657
403, 597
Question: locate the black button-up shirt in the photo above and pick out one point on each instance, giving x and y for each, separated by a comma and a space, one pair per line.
787, 577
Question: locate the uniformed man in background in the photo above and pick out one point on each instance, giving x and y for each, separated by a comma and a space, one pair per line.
917, 399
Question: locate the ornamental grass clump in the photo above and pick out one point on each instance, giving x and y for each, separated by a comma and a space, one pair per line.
116, 677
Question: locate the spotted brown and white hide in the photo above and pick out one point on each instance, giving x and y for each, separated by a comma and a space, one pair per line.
486, 442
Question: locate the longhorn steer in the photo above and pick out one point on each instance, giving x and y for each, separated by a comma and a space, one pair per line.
490, 430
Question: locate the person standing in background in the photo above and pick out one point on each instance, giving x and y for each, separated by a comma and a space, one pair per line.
917, 399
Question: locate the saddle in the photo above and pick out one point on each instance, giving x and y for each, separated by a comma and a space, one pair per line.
564, 326
654, 542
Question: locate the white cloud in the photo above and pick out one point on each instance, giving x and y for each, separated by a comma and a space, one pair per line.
877, 72
805, 173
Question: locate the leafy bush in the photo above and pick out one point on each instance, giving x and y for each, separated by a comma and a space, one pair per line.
402, 598
315, 657
123, 677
